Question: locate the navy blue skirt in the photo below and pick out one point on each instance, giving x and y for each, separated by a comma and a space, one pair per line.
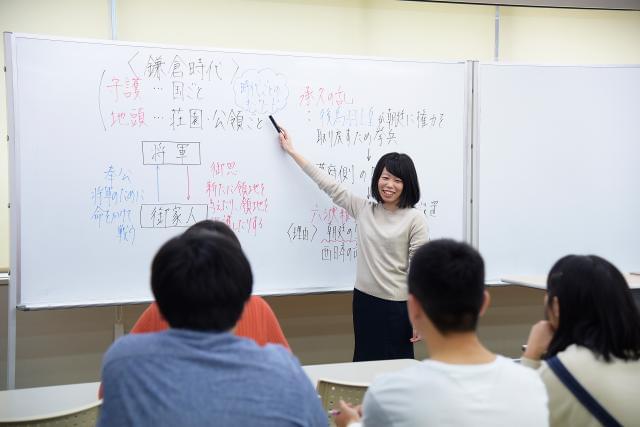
381, 328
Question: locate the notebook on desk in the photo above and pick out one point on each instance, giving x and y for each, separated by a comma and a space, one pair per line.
332, 392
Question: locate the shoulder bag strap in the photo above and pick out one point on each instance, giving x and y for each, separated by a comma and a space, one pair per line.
581, 393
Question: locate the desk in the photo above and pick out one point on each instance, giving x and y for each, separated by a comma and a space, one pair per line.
540, 282
356, 372
45, 401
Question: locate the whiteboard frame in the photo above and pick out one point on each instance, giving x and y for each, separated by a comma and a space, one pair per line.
12, 38
215, 49
14, 210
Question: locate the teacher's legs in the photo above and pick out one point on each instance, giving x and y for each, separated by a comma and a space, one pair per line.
381, 328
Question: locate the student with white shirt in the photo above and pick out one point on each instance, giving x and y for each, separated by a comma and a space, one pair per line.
463, 384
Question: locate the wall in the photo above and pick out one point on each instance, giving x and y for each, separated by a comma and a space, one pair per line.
66, 346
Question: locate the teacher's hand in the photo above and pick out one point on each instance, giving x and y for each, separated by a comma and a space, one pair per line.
286, 142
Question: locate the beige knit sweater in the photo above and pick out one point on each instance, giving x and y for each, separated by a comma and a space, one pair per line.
386, 239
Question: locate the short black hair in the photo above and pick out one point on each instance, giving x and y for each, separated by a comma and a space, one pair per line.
214, 226
447, 278
400, 165
597, 310
201, 280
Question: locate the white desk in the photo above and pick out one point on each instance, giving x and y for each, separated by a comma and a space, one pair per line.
356, 372
47, 401
540, 282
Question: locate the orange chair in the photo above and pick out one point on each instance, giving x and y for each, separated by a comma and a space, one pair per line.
257, 322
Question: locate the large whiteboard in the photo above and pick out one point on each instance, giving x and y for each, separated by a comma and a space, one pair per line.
118, 146
558, 169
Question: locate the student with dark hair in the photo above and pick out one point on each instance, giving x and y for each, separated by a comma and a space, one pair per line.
389, 231
198, 372
463, 384
258, 322
593, 331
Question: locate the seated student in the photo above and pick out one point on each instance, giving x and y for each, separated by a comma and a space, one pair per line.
463, 384
198, 372
257, 322
593, 328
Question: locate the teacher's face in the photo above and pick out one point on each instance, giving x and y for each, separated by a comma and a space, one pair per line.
390, 188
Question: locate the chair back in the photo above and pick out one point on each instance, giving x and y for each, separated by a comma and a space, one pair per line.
84, 416
331, 392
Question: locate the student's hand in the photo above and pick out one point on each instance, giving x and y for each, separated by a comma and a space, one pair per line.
286, 142
539, 339
416, 336
347, 414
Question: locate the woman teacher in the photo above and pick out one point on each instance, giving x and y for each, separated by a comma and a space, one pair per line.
389, 232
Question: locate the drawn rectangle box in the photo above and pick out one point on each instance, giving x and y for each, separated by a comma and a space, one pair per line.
170, 215
170, 153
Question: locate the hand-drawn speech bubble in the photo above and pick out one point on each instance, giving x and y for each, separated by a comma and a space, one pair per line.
261, 91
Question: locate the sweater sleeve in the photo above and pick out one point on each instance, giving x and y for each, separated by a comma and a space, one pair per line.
340, 195
530, 363
418, 234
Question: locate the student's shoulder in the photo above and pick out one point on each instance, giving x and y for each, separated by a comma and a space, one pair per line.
133, 344
518, 373
282, 365
278, 355
405, 378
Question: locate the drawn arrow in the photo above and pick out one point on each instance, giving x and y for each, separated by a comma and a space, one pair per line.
188, 184
158, 181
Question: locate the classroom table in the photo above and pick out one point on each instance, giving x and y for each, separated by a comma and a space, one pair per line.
47, 401
355, 372
540, 282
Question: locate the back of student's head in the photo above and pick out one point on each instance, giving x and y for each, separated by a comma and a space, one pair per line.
447, 278
201, 280
597, 310
214, 226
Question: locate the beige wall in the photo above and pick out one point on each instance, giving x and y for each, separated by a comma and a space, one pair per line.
65, 346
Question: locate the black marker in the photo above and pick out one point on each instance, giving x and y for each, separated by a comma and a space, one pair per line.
275, 125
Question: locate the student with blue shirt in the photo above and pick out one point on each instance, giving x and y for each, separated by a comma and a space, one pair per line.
198, 372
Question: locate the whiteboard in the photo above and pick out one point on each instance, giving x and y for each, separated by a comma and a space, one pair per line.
558, 165
118, 146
